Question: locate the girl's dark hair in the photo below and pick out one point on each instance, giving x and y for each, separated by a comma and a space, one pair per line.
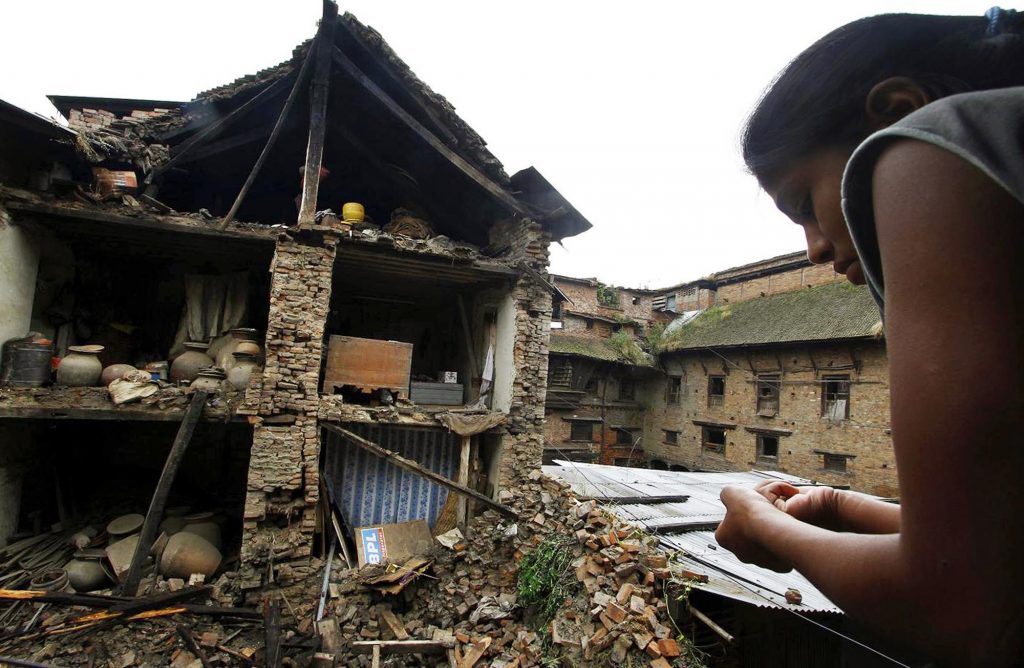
818, 100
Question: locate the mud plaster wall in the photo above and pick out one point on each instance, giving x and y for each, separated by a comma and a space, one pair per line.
19, 261
282, 490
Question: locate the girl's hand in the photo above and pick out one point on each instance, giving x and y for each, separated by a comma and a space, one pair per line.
814, 505
746, 510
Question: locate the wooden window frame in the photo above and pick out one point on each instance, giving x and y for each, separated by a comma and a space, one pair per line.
674, 390
574, 424
670, 441
768, 392
761, 457
830, 398
630, 383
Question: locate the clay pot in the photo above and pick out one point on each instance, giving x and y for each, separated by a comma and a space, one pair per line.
187, 553
125, 525
209, 379
81, 367
113, 372
187, 365
205, 526
242, 369
86, 574
55, 579
224, 357
172, 525
353, 212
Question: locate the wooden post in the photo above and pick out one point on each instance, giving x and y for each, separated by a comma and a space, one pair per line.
418, 469
467, 333
273, 136
463, 479
163, 487
317, 114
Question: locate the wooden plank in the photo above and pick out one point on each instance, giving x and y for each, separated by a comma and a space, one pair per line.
303, 72
500, 194
193, 647
319, 89
155, 514
467, 335
463, 479
403, 646
416, 468
272, 634
142, 223
331, 640
394, 624
217, 126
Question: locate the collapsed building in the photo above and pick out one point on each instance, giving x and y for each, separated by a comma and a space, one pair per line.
775, 365
420, 325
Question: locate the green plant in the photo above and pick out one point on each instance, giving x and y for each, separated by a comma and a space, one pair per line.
607, 295
628, 347
653, 338
546, 578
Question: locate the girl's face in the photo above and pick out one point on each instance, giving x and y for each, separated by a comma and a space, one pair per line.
808, 192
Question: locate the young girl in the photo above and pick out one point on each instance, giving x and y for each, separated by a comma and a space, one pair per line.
896, 143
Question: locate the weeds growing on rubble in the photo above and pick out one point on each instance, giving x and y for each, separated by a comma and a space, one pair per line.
546, 578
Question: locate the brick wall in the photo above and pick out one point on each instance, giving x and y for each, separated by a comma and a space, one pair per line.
786, 281
283, 489
865, 434
584, 300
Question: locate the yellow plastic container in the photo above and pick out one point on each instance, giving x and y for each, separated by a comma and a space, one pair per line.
353, 212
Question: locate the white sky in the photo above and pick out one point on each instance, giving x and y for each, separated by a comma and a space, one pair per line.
632, 110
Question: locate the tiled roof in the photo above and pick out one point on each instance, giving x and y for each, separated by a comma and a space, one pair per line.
835, 311
584, 346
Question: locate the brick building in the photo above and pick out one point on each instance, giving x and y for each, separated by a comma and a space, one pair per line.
777, 365
450, 261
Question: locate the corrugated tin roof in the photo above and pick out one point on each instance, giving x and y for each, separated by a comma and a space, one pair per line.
727, 575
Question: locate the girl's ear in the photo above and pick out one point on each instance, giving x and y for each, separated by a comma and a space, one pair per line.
890, 100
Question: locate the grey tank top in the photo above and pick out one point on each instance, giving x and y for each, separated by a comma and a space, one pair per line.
985, 128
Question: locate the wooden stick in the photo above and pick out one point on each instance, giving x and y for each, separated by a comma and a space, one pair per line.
317, 115
155, 513
467, 333
725, 635
273, 135
193, 646
216, 127
273, 634
418, 469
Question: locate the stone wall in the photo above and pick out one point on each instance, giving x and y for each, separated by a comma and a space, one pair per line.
523, 446
283, 488
802, 432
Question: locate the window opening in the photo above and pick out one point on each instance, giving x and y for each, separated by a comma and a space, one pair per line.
716, 390
835, 397
834, 463
767, 449
671, 437
581, 431
674, 390
713, 439
627, 390
768, 394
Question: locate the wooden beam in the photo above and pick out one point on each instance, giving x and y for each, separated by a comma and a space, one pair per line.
646, 500
217, 126
163, 488
418, 469
303, 72
463, 479
467, 334
403, 646
385, 68
503, 196
317, 114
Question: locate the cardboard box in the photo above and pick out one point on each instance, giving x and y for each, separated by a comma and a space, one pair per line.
393, 543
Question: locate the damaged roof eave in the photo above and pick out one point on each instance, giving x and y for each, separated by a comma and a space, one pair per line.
554, 212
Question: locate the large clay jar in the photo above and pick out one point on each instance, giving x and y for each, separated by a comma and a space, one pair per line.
113, 372
85, 572
81, 367
241, 370
187, 365
204, 526
186, 553
225, 355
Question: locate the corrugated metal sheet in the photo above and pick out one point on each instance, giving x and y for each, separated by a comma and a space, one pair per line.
371, 491
727, 575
